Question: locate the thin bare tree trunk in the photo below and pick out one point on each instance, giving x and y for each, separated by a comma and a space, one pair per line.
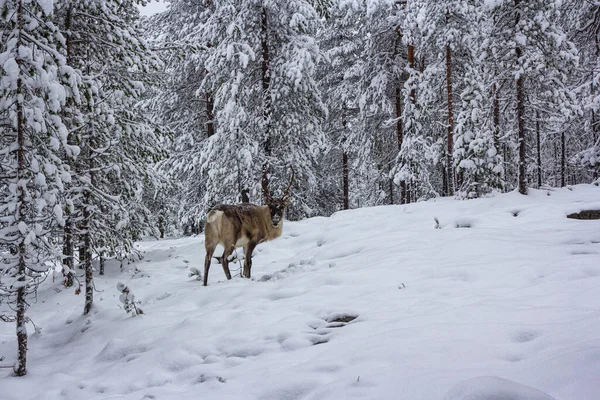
520, 109
563, 160
345, 176
449, 160
345, 167
538, 143
413, 99
86, 228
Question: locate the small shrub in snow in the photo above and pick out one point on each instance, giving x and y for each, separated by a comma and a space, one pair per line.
128, 300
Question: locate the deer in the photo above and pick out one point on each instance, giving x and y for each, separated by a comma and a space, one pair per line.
244, 225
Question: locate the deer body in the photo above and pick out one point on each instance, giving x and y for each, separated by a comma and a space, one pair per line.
243, 225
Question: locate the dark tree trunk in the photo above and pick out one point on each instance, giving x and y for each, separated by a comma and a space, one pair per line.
411, 63
345, 175
68, 251
20, 367
210, 123
87, 260
444, 179
102, 262
345, 167
449, 160
81, 248
563, 160
538, 143
520, 109
87, 234
496, 116
266, 80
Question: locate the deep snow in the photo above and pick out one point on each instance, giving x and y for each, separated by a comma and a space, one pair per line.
486, 304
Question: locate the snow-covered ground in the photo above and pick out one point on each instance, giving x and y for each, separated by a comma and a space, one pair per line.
501, 302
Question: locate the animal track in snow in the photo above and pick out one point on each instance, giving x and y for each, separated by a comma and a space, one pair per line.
524, 336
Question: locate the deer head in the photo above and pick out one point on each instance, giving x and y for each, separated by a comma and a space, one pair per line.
276, 205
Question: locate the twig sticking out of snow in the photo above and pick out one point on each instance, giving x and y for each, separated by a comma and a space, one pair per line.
128, 300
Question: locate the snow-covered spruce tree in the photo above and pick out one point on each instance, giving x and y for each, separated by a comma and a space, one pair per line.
34, 84
181, 105
118, 142
527, 45
477, 159
476, 155
261, 69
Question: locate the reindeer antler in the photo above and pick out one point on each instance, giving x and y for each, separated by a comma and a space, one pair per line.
265, 186
286, 194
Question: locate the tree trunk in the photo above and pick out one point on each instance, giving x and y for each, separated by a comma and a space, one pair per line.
563, 160
539, 149
411, 63
20, 367
266, 81
210, 123
81, 248
345, 167
87, 260
496, 116
68, 247
406, 190
345, 175
400, 138
68, 250
87, 234
520, 109
102, 262
449, 160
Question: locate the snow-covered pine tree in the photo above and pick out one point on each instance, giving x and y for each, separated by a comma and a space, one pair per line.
261, 69
35, 83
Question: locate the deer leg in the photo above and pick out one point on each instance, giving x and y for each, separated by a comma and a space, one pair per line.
209, 253
225, 260
248, 250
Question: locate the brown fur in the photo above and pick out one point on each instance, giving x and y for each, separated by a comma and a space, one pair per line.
241, 225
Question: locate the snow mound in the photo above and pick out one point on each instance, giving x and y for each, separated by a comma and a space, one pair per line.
494, 388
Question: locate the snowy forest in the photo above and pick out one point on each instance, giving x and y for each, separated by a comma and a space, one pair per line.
114, 126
